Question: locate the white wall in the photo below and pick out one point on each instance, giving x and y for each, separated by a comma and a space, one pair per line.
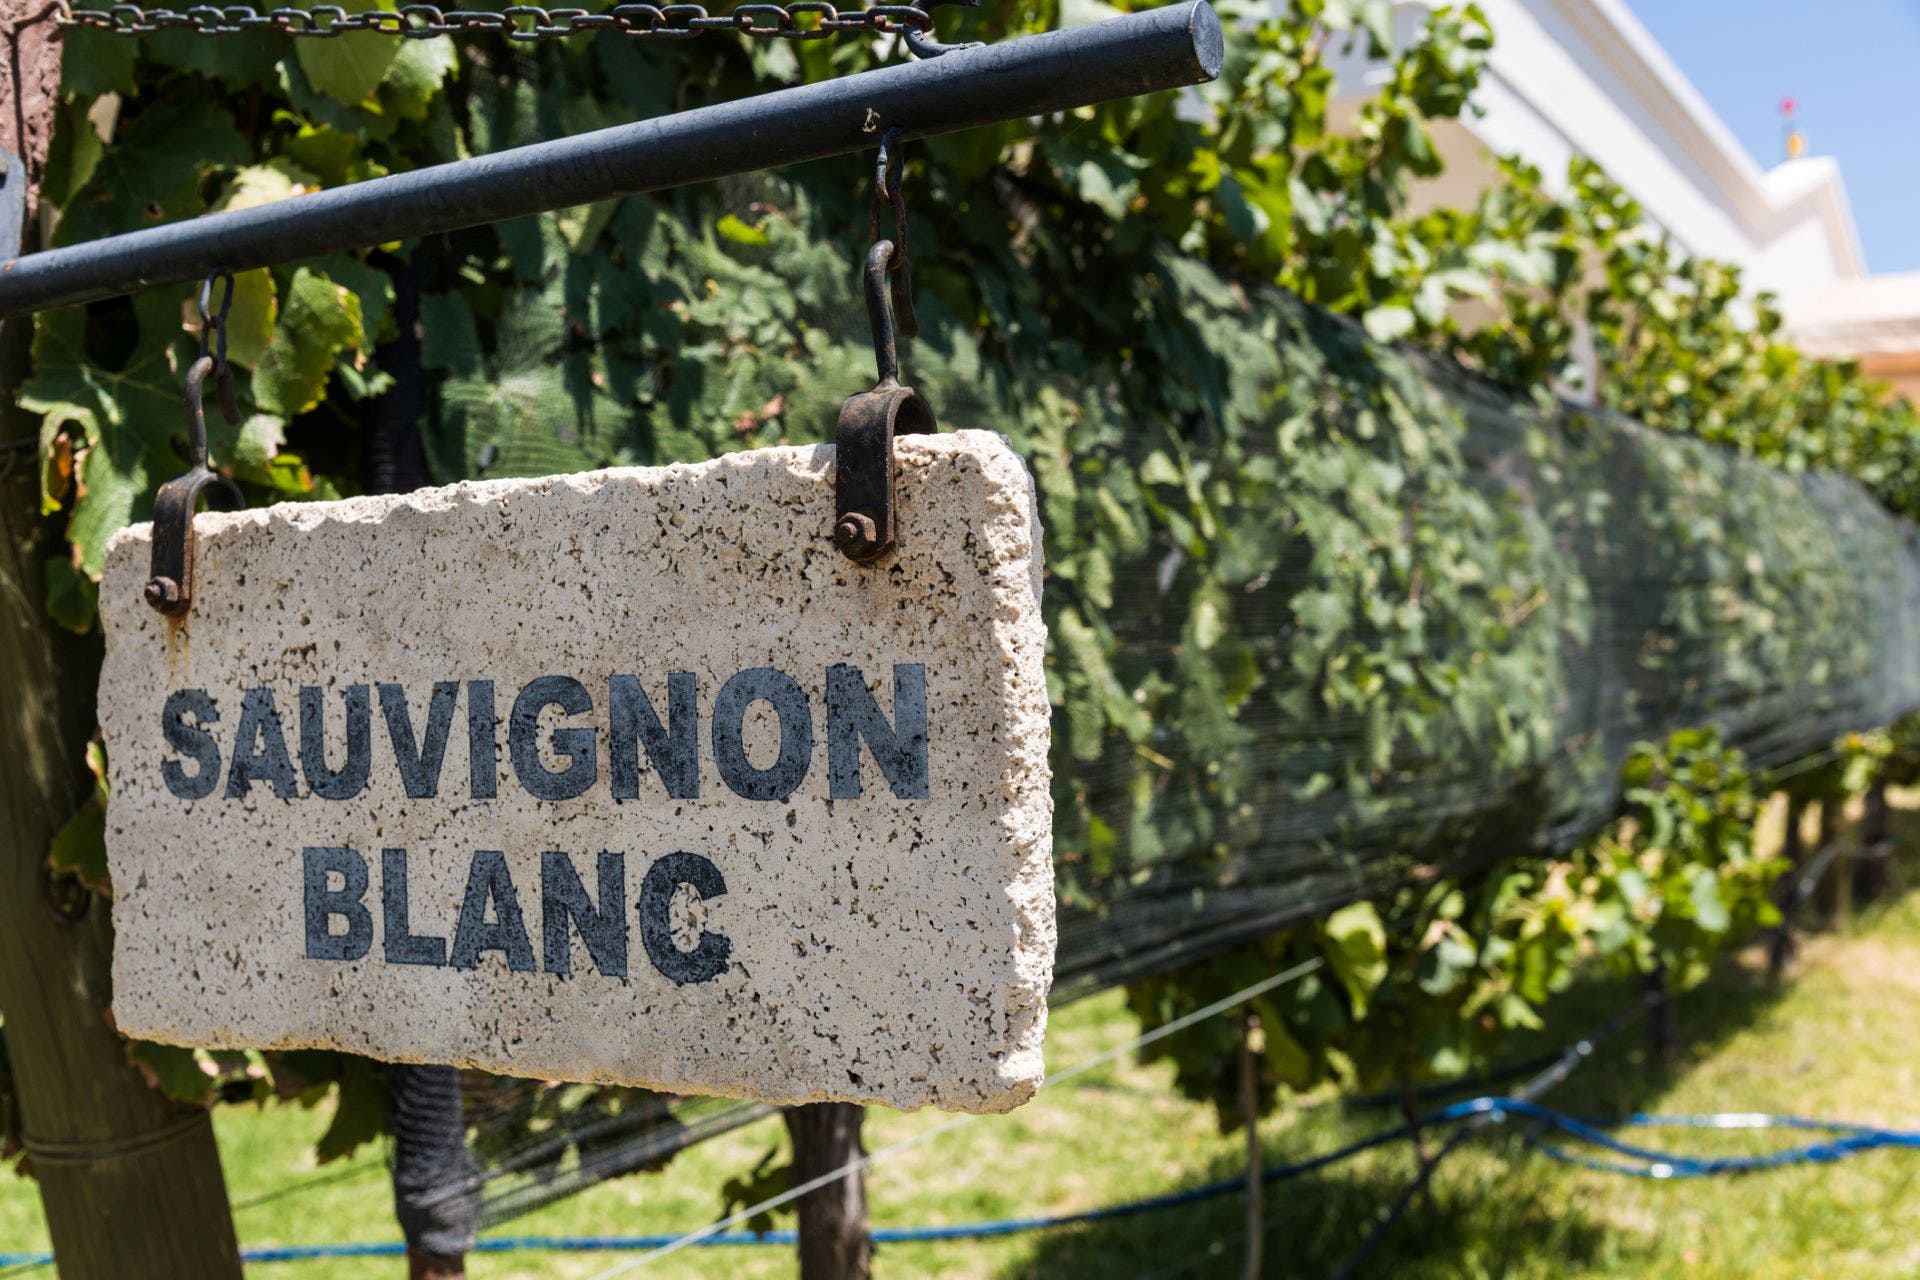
1583, 77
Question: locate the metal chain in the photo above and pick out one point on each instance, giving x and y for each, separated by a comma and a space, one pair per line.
213, 348
796, 20
213, 320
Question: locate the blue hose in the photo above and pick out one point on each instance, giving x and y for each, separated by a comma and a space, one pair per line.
1643, 1162
1841, 1140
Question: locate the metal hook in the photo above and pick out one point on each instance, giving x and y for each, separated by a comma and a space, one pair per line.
925, 46
888, 169
886, 349
170, 584
864, 525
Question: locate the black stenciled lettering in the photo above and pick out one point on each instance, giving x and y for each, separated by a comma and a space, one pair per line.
194, 741
350, 779
260, 748
900, 749
483, 741
488, 883
672, 749
604, 929
419, 760
324, 903
401, 944
575, 745
708, 959
789, 702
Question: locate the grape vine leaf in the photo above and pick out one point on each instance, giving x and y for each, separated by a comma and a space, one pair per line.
153, 171
318, 320
350, 67
123, 421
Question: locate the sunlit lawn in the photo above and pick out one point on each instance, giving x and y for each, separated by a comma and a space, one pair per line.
1842, 1040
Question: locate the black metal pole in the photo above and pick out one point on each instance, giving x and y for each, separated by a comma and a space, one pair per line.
1034, 75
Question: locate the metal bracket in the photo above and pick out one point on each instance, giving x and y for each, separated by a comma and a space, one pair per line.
864, 525
170, 587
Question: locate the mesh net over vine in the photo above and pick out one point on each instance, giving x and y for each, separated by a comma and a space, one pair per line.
1431, 620
1341, 616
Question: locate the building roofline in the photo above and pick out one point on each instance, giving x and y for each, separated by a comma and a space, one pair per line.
1631, 52
1632, 69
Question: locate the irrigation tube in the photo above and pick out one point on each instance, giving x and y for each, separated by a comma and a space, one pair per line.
1138, 53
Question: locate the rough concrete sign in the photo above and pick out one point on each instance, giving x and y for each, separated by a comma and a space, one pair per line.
627, 777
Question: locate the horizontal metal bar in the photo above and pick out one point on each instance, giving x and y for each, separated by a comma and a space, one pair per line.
1015, 79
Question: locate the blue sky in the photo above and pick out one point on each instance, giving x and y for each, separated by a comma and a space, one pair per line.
1854, 68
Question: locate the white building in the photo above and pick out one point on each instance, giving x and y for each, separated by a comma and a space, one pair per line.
1585, 77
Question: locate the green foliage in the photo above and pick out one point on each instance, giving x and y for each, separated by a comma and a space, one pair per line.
360, 1109
1677, 879
199, 1075
1679, 343
320, 320
348, 68
759, 1184
1900, 765
73, 598
79, 848
1432, 978
543, 1130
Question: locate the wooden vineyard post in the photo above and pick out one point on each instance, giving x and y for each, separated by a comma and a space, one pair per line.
834, 1241
1661, 1030
1870, 867
1250, 1116
130, 1181
1780, 945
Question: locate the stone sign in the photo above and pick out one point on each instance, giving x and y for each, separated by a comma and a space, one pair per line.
627, 777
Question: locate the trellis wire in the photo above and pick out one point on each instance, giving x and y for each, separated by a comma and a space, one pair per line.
1292, 973
1846, 1139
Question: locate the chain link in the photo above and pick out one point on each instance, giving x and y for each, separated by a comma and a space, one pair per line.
213, 349
213, 320
797, 20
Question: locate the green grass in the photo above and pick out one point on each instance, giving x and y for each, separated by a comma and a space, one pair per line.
1842, 1039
